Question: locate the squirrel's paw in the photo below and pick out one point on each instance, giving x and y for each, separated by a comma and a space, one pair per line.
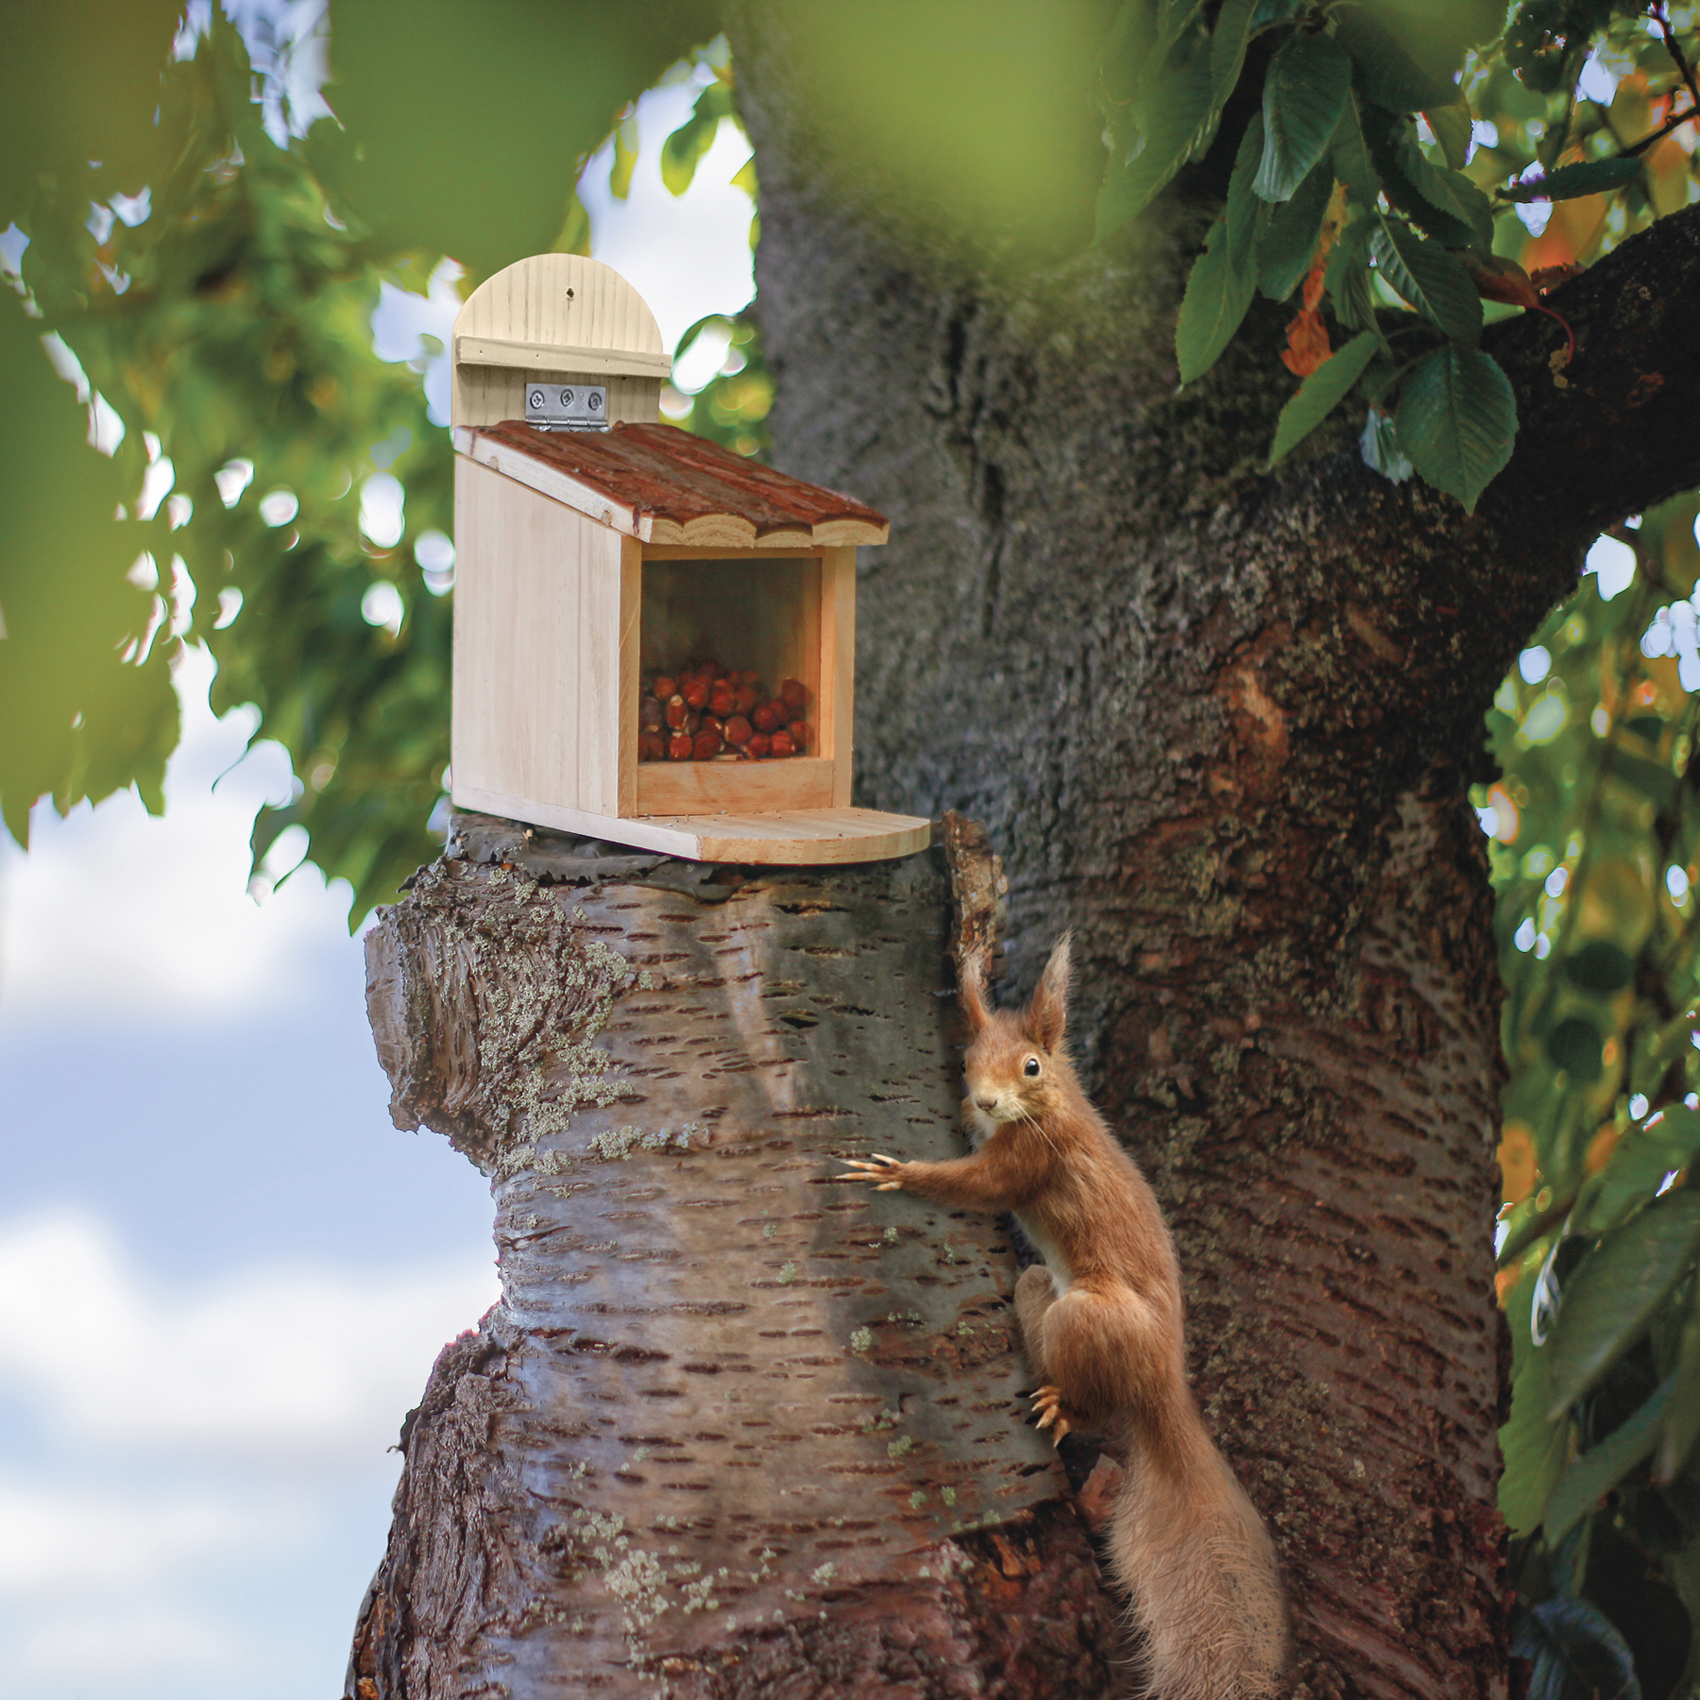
885, 1173
1051, 1411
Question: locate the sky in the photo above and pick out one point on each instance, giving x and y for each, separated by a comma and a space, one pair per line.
224, 1274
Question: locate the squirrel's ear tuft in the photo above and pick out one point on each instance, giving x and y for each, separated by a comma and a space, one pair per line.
971, 989
1047, 1015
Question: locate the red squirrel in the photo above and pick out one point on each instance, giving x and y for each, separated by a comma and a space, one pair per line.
1101, 1320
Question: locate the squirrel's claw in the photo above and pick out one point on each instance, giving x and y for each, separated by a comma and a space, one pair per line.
1048, 1405
881, 1171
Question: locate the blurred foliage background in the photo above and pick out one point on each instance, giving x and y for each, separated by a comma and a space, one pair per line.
200, 446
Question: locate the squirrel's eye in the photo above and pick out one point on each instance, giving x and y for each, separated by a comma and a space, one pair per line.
1030, 1067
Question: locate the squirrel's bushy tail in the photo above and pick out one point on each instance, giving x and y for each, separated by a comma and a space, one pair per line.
1199, 1568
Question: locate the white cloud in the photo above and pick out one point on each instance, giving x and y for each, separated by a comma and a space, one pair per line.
56, 1538
287, 1369
116, 912
127, 1645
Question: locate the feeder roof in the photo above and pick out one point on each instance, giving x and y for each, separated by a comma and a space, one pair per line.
663, 485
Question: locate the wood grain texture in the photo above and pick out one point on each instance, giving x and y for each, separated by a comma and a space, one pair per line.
712, 787
733, 1430
836, 707
794, 837
578, 306
665, 485
537, 657
549, 357
486, 395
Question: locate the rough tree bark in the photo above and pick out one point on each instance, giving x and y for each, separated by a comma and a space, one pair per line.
733, 1429
1221, 724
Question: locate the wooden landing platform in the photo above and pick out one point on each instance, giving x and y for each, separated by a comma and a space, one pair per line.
783, 837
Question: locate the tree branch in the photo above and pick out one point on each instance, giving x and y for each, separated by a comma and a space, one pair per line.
1613, 431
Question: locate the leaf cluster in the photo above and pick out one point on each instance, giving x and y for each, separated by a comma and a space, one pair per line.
220, 302
1596, 856
1353, 180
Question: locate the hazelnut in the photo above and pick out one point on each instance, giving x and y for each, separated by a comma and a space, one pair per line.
764, 719
795, 695
663, 687
759, 746
782, 745
679, 746
737, 730
652, 746
696, 693
746, 699
802, 734
649, 715
723, 703
676, 711
707, 746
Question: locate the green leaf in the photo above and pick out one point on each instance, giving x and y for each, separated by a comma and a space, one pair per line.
1352, 163
1602, 1467
1578, 1652
1682, 1417
1174, 18
1597, 176
1532, 1444
1379, 446
682, 150
1304, 91
1457, 420
1383, 72
1224, 277
1166, 119
1575, 1046
1444, 203
1452, 129
1347, 277
1422, 273
1614, 1291
1321, 393
1227, 48
1663, 1144
1284, 251
1601, 966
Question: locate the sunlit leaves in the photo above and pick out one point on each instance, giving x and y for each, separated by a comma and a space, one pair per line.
80, 720
1457, 420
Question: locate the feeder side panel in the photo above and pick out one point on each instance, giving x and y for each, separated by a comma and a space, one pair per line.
836, 708
537, 648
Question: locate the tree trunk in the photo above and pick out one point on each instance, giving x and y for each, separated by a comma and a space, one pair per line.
732, 1430
1222, 725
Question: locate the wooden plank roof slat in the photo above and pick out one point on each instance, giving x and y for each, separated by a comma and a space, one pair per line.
662, 484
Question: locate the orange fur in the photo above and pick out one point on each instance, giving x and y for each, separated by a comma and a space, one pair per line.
1102, 1323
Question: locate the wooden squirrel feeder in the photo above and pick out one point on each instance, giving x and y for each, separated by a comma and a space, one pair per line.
597, 550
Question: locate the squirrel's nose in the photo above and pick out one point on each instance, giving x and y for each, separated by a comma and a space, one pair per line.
986, 1104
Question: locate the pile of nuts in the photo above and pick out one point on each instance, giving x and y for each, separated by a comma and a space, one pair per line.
704, 712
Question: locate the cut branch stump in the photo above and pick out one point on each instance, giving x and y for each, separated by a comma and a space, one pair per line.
733, 1429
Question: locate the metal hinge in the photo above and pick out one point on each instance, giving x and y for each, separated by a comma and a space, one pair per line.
567, 407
